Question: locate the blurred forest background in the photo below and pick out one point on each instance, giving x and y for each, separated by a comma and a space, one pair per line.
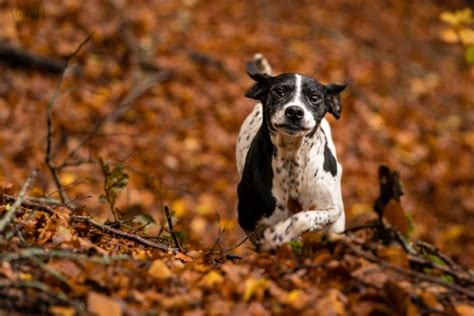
159, 89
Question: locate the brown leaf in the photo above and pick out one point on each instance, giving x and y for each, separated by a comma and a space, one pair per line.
464, 309
181, 256
400, 299
395, 216
372, 274
65, 267
102, 305
159, 270
332, 303
62, 311
394, 254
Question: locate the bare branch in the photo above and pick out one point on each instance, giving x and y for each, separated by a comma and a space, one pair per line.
410, 273
137, 91
49, 138
171, 229
28, 204
119, 233
8, 217
59, 253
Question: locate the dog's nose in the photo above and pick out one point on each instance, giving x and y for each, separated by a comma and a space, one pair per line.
294, 113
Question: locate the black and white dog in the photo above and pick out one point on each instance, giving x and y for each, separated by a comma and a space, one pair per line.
290, 180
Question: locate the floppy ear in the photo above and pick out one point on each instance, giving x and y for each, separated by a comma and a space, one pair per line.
255, 73
333, 100
258, 89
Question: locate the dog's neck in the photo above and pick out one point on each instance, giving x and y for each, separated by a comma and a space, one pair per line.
292, 148
287, 147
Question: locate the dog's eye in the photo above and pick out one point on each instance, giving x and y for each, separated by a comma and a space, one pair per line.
279, 92
315, 98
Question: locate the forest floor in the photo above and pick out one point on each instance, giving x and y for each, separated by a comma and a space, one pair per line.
145, 119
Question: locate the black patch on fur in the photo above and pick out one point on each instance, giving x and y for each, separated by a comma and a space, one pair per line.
330, 164
255, 187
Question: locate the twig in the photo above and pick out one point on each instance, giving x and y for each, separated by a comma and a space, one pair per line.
40, 286
28, 204
357, 228
53, 168
141, 227
417, 275
138, 90
458, 274
76, 163
8, 217
67, 186
171, 229
218, 241
416, 258
119, 233
238, 244
430, 249
49, 270
39, 252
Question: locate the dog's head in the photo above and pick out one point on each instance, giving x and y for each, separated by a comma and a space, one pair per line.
294, 104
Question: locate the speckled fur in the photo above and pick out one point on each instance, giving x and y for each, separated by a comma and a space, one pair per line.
298, 174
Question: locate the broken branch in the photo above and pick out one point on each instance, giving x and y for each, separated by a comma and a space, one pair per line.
28, 204
11, 212
410, 273
119, 233
39, 252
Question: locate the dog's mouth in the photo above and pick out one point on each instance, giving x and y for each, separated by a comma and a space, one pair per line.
291, 128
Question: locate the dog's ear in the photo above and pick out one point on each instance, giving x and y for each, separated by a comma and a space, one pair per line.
255, 73
333, 99
258, 89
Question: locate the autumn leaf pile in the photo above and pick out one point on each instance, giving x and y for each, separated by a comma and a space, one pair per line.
156, 94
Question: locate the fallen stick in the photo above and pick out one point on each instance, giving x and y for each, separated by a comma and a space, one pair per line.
413, 274
28, 204
90, 221
10, 214
57, 253
120, 233
458, 274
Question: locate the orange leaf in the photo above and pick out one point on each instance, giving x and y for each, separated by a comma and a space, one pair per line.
102, 305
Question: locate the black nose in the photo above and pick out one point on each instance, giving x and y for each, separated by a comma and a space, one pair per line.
294, 113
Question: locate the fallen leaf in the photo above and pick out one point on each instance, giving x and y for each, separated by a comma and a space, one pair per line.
331, 303
400, 299
62, 311
181, 256
211, 279
464, 309
395, 255
252, 286
102, 305
159, 270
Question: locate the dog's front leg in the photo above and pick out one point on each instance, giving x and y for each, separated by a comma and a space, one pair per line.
297, 225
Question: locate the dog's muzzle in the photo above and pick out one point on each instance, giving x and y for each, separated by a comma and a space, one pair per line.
293, 120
